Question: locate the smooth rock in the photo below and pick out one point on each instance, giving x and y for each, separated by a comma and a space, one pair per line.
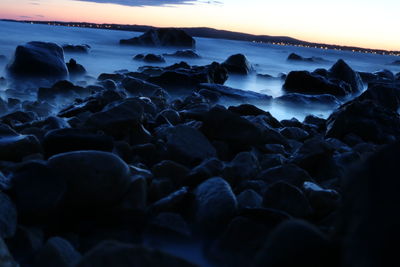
8, 217
238, 64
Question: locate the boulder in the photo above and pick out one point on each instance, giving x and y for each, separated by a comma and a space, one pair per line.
297, 99
244, 166
238, 64
235, 94
78, 49
294, 133
163, 37
137, 87
289, 173
341, 71
16, 147
6, 259
57, 252
38, 60
184, 54
124, 255
150, 58
296, 57
215, 204
8, 217
75, 69
62, 91
94, 179
385, 94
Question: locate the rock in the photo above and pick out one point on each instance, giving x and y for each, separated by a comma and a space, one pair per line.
365, 119
136, 196
116, 77
340, 70
288, 198
172, 170
163, 37
124, 255
6, 259
168, 116
289, 173
62, 91
385, 94
244, 166
75, 69
219, 124
323, 201
8, 217
3, 81
368, 77
385, 74
305, 82
16, 147
208, 168
184, 54
215, 204
296, 57
66, 140
187, 145
314, 120
396, 62
94, 179
238, 64
235, 94
38, 60
294, 133
268, 161
306, 100
136, 87
150, 58
296, 243
179, 201
249, 199
169, 225
79, 49
366, 223
57, 252
36, 191
188, 77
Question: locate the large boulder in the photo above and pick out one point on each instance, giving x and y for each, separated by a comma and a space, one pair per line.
75, 69
341, 71
16, 147
94, 178
163, 37
38, 60
57, 252
62, 91
238, 64
385, 94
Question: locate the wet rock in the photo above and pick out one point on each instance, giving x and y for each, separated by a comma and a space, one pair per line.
296, 243
6, 259
187, 145
3, 81
294, 133
215, 204
65, 140
137, 87
306, 100
57, 252
63, 91
268, 161
296, 57
289, 173
8, 217
208, 168
323, 201
79, 49
111, 76
94, 178
288, 198
244, 166
170, 226
365, 119
16, 147
249, 199
236, 94
178, 201
75, 69
162, 37
184, 54
314, 120
385, 74
38, 60
238, 64
305, 82
150, 58
341, 71
385, 94
170, 169
169, 116
136, 196
125, 255
368, 77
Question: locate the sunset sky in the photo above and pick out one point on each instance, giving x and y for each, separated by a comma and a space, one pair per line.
365, 23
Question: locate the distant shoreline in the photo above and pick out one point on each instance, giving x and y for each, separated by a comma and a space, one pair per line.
218, 34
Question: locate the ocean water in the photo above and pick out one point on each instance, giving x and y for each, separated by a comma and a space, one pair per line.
107, 56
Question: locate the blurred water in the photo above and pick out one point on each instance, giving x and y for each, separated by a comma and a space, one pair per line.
107, 55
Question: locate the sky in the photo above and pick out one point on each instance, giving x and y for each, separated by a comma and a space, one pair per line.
363, 23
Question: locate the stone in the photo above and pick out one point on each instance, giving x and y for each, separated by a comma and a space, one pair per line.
294, 133
62, 91
229, 93
75, 69
8, 217
136, 87
340, 70
150, 58
244, 166
6, 259
297, 99
290, 173
238, 64
16, 147
249, 199
57, 252
79, 49
184, 54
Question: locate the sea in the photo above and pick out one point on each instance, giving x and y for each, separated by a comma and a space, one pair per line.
108, 56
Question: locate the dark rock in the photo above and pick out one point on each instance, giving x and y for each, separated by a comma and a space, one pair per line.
311, 83
288, 198
3, 81
294, 133
111, 76
65, 140
236, 94
75, 69
169, 116
108, 84
62, 90
215, 204
170, 226
94, 178
177, 201
38, 60
385, 74
296, 57
139, 87
323, 201
163, 37
238, 64
170, 169
289, 173
244, 166
296, 243
124, 255
8, 217
314, 120
79, 49
57, 252
268, 161
212, 96
368, 77
136, 196
251, 110
6, 259
208, 168
3, 59
16, 147
249, 199
187, 145
306, 100
184, 54
366, 120
385, 94
150, 58
396, 62
341, 71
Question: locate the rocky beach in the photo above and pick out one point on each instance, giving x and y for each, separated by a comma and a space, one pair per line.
167, 165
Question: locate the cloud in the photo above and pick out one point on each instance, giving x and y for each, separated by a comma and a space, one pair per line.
142, 3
